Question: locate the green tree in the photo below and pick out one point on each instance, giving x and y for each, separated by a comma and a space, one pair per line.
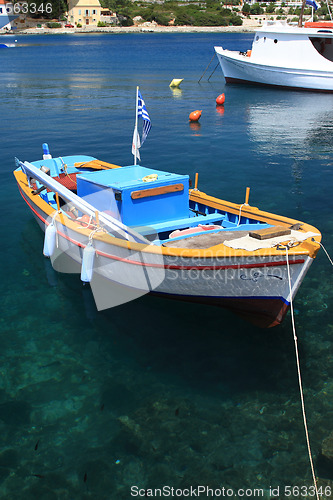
50, 9
270, 9
255, 9
246, 9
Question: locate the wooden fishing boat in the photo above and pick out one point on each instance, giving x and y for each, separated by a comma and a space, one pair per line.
148, 231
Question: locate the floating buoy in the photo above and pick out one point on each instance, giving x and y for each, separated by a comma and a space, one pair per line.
220, 99
87, 267
176, 82
49, 240
195, 115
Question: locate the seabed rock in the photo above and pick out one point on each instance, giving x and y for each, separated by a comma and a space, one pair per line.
327, 448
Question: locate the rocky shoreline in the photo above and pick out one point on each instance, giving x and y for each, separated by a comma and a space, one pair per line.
248, 27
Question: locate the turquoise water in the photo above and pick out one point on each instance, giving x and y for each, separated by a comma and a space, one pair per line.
156, 393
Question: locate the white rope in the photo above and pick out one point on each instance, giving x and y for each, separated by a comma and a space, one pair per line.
300, 378
329, 258
240, 214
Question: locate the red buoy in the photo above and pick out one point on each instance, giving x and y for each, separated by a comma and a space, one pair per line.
195, 115
220, 99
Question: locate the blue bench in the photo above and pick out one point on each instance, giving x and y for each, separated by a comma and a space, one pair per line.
171, 225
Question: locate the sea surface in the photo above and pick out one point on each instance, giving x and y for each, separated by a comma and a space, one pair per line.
158, 393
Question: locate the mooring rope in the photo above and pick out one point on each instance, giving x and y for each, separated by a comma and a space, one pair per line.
328, 256
300, 377
240, 214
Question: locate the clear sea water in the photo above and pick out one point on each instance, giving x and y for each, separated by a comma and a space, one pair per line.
156, 393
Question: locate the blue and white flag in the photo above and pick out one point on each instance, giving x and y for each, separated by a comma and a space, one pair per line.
142, 111
312, 3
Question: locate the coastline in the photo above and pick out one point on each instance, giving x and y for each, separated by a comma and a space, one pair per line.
248, 27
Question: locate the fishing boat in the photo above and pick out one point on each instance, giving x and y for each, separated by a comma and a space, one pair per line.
148, 231
283, 55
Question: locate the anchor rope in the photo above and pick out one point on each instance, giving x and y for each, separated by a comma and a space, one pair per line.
300, 378
328, 256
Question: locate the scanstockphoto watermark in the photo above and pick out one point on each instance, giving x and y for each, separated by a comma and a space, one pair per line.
226, 274
287, 491
196, 491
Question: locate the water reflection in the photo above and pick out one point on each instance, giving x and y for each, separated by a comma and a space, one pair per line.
195, 127
176, 92
296, 124
220, 109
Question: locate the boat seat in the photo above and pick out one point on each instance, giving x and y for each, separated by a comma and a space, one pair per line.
170, 225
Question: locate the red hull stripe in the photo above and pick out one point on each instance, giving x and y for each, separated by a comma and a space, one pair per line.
171, 266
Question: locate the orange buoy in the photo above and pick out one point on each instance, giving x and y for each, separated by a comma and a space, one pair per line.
195, 115
220, 99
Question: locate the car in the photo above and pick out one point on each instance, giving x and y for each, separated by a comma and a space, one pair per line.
69, 26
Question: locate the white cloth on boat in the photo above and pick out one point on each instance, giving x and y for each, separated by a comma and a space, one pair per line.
252, 244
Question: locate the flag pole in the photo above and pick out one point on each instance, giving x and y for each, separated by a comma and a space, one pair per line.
136, 124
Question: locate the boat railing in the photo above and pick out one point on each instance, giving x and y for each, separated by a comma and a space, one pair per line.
111, 224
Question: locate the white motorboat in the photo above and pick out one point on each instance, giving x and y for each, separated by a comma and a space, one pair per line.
285, 56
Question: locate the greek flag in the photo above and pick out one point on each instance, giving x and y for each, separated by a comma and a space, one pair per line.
142, 111
312, 3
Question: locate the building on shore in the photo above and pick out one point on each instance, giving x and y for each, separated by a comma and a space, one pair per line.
84, 12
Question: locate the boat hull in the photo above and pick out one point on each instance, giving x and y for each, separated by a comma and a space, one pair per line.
240, 69
254, 287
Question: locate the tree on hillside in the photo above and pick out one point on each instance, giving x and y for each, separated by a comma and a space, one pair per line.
246, 9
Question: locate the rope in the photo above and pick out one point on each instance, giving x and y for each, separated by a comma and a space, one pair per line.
240, 214
91, 235
213, 72
64, 166
300, 378
206, 68
322, 246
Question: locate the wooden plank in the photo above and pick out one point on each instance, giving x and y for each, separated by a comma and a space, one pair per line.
146, 193
270, 232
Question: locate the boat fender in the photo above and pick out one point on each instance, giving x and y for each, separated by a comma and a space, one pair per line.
49, 240
46, 152
87, 267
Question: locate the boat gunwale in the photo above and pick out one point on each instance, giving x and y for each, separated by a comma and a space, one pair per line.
308, 247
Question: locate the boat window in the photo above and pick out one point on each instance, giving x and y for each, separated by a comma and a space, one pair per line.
324, 46
275, 40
